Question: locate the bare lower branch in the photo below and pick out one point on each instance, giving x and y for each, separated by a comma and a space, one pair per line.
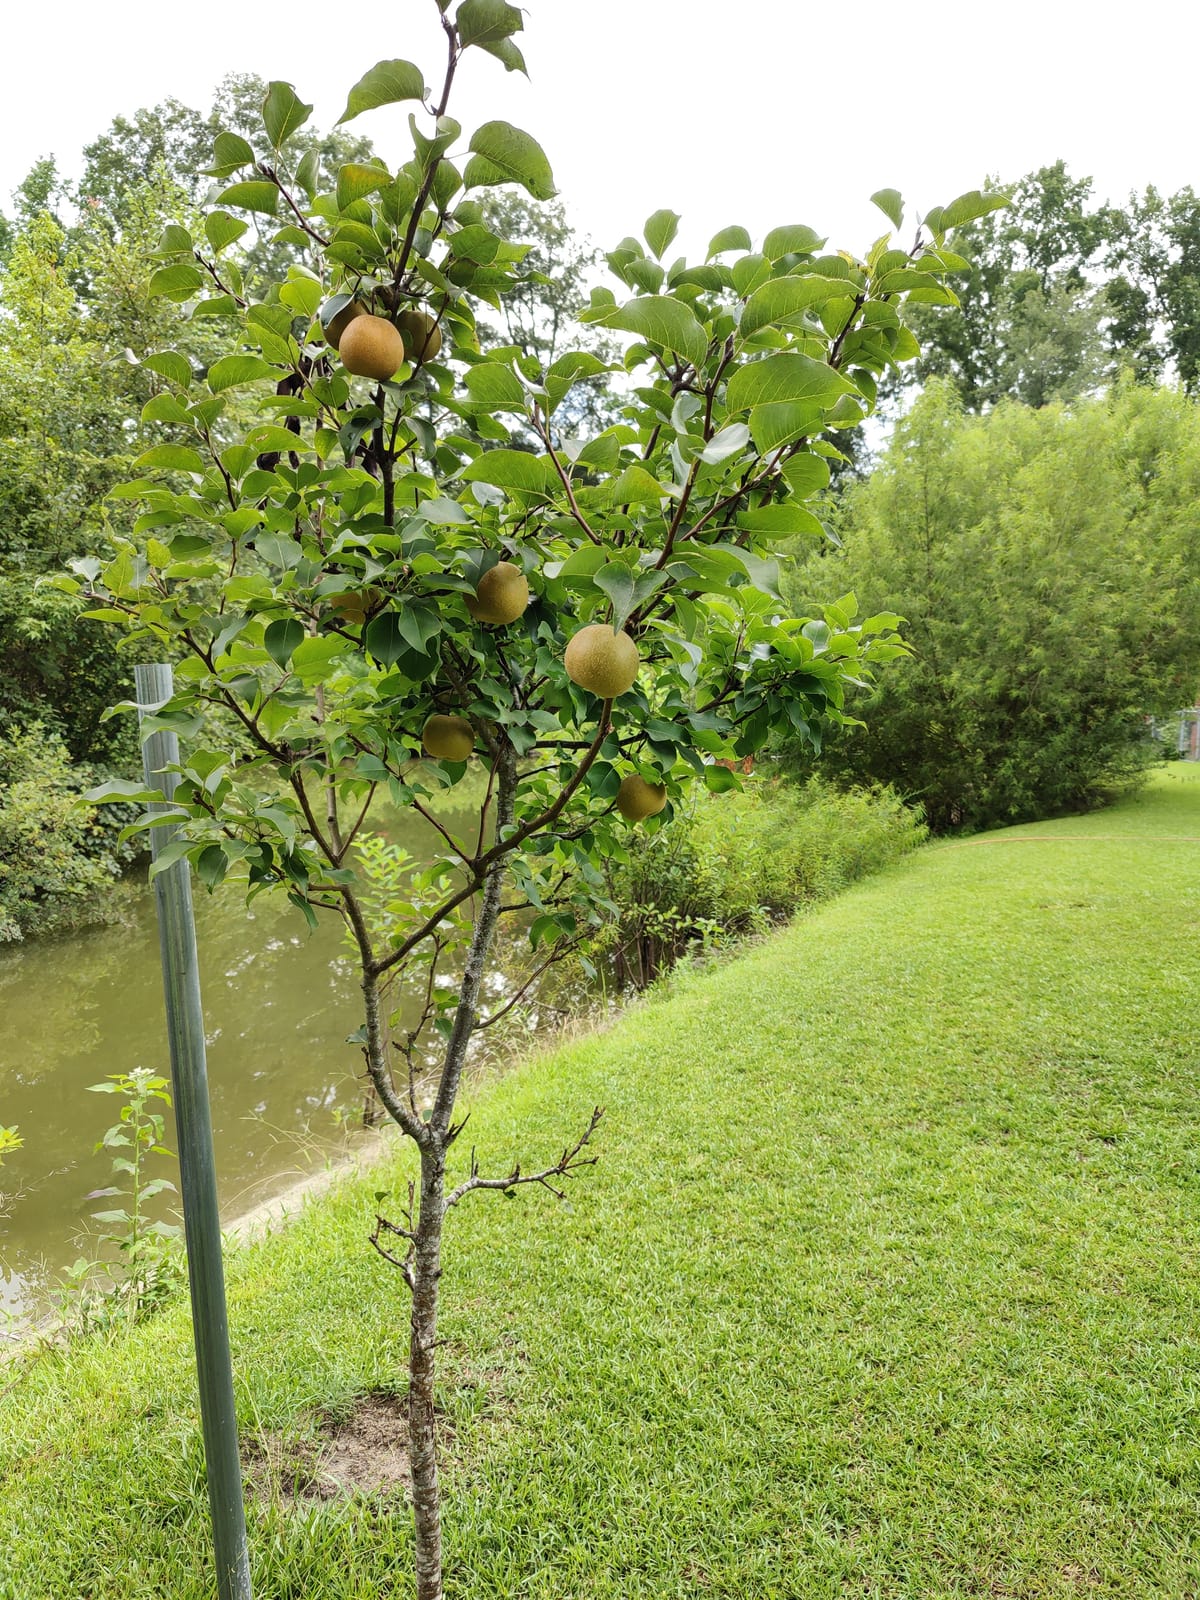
565, 1167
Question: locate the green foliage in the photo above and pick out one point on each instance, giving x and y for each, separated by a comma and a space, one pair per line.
1047, 568
732, 864
59, 861
1152, 292
140, 1262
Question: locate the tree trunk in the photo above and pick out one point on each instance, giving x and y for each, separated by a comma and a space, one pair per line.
427, 1245
422, 1438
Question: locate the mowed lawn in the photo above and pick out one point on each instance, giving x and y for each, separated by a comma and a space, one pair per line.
885, 1284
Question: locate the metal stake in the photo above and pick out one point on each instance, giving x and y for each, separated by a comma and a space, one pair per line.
197, 1171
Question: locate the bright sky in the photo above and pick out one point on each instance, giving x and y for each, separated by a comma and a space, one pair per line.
751, 111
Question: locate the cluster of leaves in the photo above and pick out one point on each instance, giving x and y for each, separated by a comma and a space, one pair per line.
1046, 562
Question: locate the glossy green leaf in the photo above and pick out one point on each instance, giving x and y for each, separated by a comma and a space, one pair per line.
487, 22
355, 180
794, 239
283, 112
731, 439
664, 321
387, 82
511, 469
780, 521
171, 365
972, 205
732, 238
504, 154
177, 282
221, 229
170, 458
788, 376
254, 195
781, 299
233, 370
891, 204
267, 438
281, 638
660, 231
497, 387
230, 153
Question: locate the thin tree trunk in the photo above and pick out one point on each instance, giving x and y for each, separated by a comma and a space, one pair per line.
427, 1245
422, 1436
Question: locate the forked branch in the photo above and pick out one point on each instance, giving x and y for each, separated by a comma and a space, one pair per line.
565, 1167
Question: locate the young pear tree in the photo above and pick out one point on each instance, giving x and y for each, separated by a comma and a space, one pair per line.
381, 594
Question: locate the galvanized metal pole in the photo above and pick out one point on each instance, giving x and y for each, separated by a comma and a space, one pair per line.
197, 1169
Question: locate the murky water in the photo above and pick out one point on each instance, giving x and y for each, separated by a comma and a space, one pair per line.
279, 1003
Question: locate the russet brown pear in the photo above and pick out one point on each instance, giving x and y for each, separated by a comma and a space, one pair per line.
337, 326
601, 661
637, 799
371, 347
447, 738
501, 595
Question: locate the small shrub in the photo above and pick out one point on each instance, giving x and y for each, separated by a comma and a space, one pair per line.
737, 862
59, 863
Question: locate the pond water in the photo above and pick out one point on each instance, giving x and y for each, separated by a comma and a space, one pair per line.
279, 1003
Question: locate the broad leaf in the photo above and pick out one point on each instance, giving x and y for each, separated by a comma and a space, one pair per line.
781, 299
487, 22
281, 638
662, 320
233, 370
283, 112
387, 82
788, 376
504, 154
170, 458
660, 230
795, 239
732, 238
891, 204
255, 195
512, 469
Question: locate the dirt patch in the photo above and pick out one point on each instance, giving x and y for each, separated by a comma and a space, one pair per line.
362, 1452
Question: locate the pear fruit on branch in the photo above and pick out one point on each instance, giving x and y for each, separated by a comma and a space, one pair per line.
501, 595
601, 661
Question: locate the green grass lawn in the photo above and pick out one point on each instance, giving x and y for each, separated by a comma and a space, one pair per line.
885, 1285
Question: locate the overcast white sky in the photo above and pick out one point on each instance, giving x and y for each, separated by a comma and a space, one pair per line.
750, 111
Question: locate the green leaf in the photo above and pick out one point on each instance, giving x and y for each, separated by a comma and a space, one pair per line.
970, 206
732, 438
511, 469
806, 474
794, 239
267, 437
166, 407
283, 112
660, 230
308, 173
662, 320
497, 387
718, 780
177, 282
781, 299
171, 365
732, 238
568, 370
780, 521
221, 229
230, 152
635, 486
891, 204
620, 585
254, 195
356, 180
773, 425
233, 370
175, 240
504, 154
487, 22
122, 789
506, 51
171, 458
788, 376
281, 638
387, 82
384, 639
312, 659
211, 866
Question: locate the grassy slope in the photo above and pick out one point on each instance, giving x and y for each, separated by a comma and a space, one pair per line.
885, 1285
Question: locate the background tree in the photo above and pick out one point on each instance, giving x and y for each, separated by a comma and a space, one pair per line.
1046, 563
1028, 325
1152, 292
373, 597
